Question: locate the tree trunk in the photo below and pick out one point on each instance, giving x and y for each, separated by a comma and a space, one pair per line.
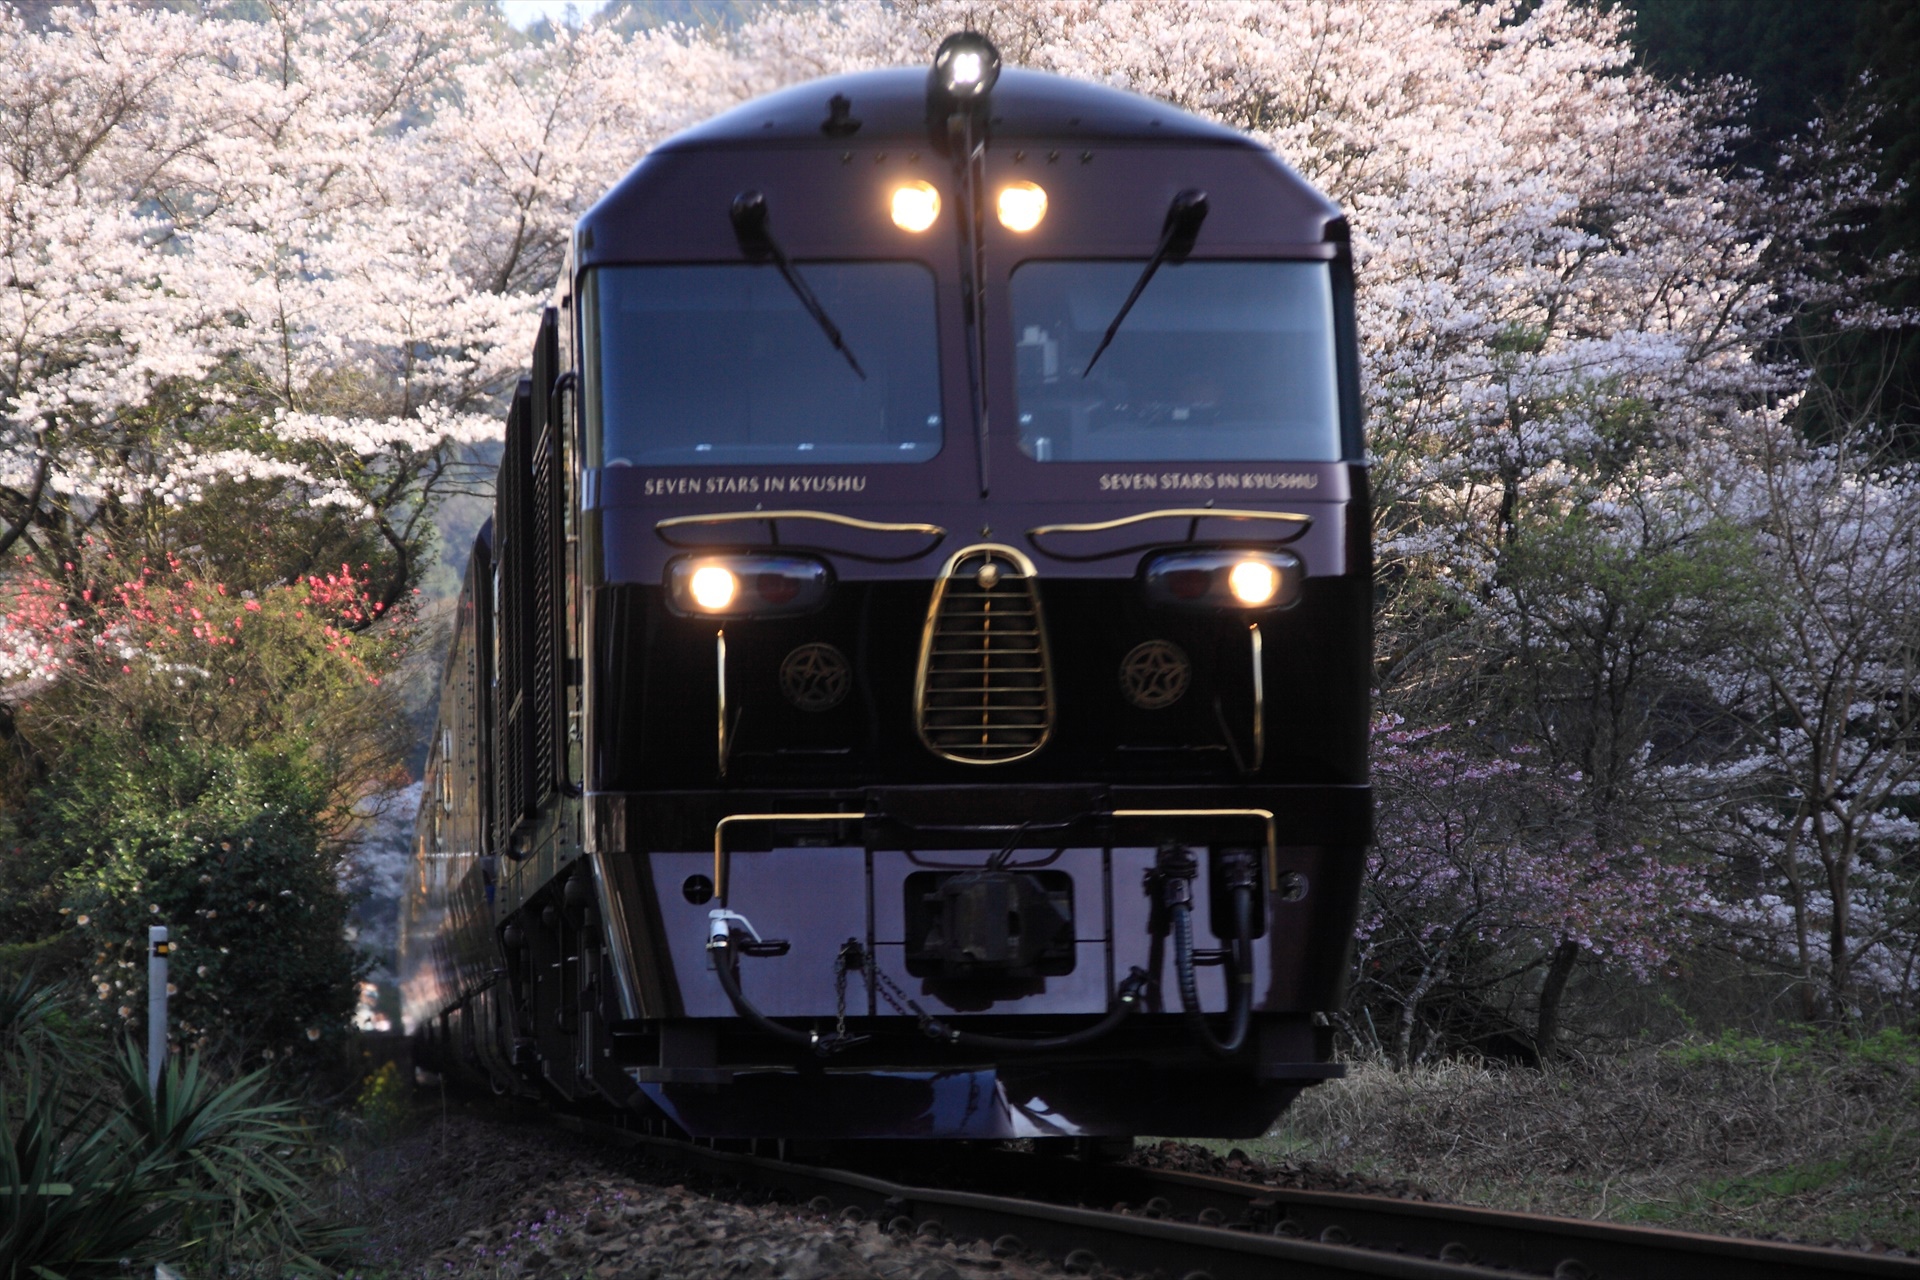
1809, 996
1839, 929
1546, 1031
1410, 1010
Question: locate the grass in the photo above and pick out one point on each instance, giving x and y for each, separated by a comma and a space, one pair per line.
1809, 1138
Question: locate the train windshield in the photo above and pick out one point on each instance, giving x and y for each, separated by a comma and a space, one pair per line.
1217, 361
722, 364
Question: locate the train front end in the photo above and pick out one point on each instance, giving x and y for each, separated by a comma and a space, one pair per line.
956, 684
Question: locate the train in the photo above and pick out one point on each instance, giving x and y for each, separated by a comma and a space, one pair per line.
914, 682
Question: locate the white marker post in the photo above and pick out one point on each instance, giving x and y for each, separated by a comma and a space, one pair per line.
156, 1005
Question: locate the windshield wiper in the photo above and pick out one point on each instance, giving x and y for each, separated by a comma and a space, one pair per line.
1182, 228
749, 215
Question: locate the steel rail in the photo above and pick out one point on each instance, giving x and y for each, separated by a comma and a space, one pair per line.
1081, 1240
1248, 1231
1524, 1242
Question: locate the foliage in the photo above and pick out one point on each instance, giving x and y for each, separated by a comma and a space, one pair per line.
1805, 1049
1480, 875
228, 664
1734, 1145
281, 262
1802, 62
203, 749
221, 286
97, 1168
385, 1103
224, 846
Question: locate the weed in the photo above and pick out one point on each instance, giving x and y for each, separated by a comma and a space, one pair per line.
1813, 1136
96, 1167
385, 1104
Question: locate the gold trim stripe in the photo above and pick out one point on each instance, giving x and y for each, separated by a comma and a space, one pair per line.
662, 527
1194, 515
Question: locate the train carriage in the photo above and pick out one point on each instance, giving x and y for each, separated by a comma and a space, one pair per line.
914, 683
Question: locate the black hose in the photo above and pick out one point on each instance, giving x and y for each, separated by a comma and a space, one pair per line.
723, 964
1239, 982
1128, 999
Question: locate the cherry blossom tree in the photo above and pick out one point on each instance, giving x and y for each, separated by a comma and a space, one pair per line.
1482, 875
268, 270
1829, 699
214, 280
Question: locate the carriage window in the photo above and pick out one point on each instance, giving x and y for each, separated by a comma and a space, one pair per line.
721, 364
1217, 361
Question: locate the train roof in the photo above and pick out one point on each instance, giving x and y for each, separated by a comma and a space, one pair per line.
891, 106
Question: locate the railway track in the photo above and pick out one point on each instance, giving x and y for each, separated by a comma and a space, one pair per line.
1199, 1227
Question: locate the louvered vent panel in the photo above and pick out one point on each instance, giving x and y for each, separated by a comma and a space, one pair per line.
985, 693
513, 534
545, 620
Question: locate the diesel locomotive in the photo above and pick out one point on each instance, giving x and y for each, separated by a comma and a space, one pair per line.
914, 682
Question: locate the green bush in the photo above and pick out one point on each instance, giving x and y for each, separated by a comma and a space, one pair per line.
96, 1169
196, 757
224, 845
385, 1104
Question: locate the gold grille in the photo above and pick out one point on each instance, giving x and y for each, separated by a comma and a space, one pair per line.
984, 692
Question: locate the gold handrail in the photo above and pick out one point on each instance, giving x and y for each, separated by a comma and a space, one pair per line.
1192, 514
721, 856
720, 838
1259, 701
723, 747
663, 528
1265, 815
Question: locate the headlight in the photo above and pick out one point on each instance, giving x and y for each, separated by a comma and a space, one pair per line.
712, 587
750, 585
1253, 582
1021, 206
1223, 578
915, 206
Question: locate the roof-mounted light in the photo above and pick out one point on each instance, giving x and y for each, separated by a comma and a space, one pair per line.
1021, 206
915, 206
965, 66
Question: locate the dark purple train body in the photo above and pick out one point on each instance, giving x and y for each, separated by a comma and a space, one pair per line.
915, 681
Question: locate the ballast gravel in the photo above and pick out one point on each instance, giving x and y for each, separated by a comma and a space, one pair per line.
661, 1233
474, 1199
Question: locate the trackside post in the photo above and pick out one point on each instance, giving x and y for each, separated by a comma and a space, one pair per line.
157, 948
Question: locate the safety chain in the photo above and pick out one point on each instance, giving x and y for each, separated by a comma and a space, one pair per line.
893, 995
851, 954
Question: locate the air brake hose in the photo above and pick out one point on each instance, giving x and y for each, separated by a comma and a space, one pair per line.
1126, 1001
1179, 901
724, 964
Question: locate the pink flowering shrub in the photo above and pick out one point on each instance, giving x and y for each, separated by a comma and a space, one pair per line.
189, 754
1481, 874
238, 666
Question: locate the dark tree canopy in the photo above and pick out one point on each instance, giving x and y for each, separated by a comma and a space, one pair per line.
1805, 59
